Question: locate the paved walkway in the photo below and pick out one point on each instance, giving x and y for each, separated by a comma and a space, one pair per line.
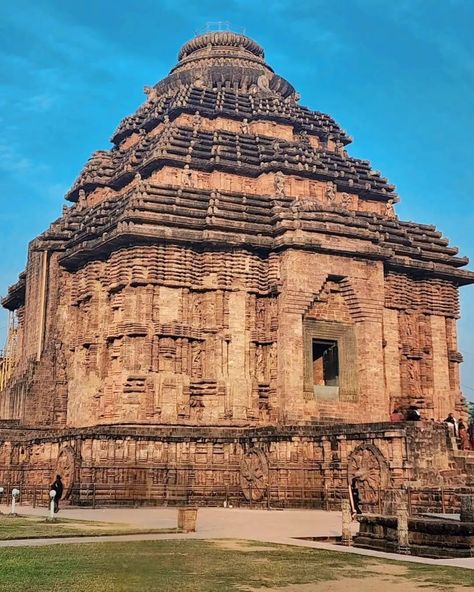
272, 526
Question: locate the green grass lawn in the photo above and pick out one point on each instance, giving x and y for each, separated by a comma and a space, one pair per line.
26, 527
212, 566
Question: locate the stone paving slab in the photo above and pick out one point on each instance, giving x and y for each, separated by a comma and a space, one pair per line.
274, 526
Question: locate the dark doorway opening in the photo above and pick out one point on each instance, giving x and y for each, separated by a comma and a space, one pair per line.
325, 363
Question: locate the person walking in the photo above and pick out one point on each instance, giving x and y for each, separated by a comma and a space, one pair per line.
58, 487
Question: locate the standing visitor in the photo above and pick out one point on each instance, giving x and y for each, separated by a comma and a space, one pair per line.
470, 431
355, 497
413, 414
463, 435
58, 487
396, 415
450, 419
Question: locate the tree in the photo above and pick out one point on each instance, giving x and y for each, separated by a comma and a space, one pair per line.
470, 410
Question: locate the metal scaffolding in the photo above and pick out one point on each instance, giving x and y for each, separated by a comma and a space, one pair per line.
8, 355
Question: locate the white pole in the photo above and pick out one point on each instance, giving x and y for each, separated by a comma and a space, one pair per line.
52, 495
15, 494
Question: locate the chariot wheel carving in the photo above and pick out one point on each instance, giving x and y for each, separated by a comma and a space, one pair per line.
254, 475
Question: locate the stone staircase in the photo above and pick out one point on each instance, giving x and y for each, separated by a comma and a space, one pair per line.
463, 460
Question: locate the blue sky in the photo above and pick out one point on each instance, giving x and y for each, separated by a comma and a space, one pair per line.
398, 76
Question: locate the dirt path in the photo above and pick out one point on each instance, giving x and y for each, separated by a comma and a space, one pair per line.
375, 583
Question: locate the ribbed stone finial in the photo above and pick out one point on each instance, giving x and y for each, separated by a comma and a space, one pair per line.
220, 39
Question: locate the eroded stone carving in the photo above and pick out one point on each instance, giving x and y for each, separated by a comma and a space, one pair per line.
66, 468
330, 191
368, 467
254, 474
279, 184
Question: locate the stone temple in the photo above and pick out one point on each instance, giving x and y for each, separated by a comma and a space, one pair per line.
231, 306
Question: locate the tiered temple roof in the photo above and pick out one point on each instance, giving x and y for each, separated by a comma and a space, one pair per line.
223, 76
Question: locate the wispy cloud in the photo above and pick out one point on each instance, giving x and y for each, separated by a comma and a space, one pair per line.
14, 162
440, 25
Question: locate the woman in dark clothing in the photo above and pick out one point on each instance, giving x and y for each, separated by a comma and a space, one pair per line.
413, 414
58, 487
470, 432
355, 496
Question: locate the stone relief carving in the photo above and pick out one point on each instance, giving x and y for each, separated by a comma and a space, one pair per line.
272, 359
197, 359
367, 465
167, 353
260, 315
408, 330
197, 311
260, 363
347, 200
254, 474
66, 467
389, 210
413, 377
305, 205
279, 184
187, 177
244, 126
330, 191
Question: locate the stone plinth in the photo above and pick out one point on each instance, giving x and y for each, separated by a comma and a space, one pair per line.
346, 522
402, 528
424, 537
467, 508
187, 518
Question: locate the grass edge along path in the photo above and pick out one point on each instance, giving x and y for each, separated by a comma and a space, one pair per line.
37, 527
208, 566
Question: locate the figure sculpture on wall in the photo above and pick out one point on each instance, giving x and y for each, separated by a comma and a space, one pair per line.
187, 176
254, 474
279, 183
260, 363
260, 315
244, 127
66, 467
330, 191
389, 210
347, 200
196, 359
368, 473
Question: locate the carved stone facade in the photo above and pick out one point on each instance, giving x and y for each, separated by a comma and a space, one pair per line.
283, 466
227, 264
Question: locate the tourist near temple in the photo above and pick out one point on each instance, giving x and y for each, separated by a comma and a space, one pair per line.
230, 308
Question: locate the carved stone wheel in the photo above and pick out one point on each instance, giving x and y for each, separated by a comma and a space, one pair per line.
254, 475
66, 467
369, 468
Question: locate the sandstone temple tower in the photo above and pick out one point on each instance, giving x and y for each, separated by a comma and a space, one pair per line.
227, 267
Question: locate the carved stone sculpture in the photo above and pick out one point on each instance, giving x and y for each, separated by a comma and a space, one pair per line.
254, 474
